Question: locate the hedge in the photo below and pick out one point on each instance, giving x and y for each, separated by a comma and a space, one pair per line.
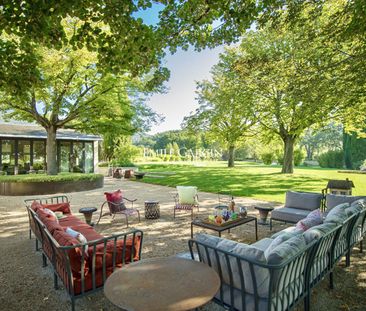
48, 178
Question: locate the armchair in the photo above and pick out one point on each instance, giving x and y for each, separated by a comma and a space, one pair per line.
116, 205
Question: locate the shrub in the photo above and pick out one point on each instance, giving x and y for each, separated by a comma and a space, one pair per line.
279, 157
267, 158
363, 166
331, 159
49, 178
299, 157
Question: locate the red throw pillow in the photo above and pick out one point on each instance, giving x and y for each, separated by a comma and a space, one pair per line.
116, 200
36, 205
42, 215
63, 207
51, 225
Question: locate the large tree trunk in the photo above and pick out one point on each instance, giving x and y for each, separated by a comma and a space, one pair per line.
230, 162
51, 151
288, 157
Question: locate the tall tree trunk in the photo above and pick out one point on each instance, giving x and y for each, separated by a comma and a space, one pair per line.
288, 157
51, 151
230, 162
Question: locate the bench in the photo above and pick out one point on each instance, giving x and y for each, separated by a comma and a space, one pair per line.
82, 267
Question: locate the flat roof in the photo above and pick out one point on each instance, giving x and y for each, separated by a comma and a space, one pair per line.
8, 130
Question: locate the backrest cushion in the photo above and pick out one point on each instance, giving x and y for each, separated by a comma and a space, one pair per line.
313, 219
303, 200
36, 205
116, 200
332, 200
287, 249
187, 194
279, 240
316, 232
44, 214
337, 214
291, 229
63, 207
75, 254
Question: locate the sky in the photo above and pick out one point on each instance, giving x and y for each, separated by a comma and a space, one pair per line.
186, 67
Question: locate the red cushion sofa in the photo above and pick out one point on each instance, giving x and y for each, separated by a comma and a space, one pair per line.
83, 268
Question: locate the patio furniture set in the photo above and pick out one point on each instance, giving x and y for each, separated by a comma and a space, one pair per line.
272, 274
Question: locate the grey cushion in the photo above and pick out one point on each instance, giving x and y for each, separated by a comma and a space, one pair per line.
317, 232
208, 239
263, 244
332, 200
289, 214
291, 229
287, 249
353, 209
303, 200
280, 239
337, 214
361, 203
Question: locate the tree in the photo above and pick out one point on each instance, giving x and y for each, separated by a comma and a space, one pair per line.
224, 108
71, 93
328, 137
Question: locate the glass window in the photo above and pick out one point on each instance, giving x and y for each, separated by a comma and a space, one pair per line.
39, 155
65, 156
24, 155
8, 155
89, 159
77, 159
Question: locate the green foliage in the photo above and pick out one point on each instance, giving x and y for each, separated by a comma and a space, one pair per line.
331, 159
47, 178
299, 157
354, 148
125, 153
267, 158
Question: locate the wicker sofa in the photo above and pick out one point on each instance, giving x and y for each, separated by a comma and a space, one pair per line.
263, 277
82, 267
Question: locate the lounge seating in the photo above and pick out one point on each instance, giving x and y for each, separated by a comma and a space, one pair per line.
186, 199
297, 206
83, 267
116, 205
279, 272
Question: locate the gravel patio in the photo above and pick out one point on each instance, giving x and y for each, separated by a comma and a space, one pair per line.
25, 285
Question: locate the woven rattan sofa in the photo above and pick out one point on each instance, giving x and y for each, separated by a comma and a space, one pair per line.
255, 278
82, 267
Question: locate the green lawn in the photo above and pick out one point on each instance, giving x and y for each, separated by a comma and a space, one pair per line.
247, 179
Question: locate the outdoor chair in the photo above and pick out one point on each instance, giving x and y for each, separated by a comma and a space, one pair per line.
116, 205
186, 199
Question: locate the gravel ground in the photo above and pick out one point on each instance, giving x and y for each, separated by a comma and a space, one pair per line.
25, 285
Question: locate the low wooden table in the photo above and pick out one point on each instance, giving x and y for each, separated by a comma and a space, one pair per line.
169, 284
200, 223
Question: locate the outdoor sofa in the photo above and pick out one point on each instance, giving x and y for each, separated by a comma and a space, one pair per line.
82, 267
277, 273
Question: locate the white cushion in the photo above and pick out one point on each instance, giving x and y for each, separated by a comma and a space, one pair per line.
187, 194
78, 236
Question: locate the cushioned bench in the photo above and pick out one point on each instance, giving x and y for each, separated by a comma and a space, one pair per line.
297, 206
277, 273
82, 266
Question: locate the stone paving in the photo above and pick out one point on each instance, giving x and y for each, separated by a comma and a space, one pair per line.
25, 285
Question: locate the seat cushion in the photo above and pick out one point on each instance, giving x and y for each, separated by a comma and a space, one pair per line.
332, 200
187, 194
303, 200
289, 214
78, 225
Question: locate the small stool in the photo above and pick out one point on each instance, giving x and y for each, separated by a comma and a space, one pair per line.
152, 209
263, 214
88, 213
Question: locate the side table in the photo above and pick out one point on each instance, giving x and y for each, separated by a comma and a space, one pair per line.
152, 209
263, 214
88, 213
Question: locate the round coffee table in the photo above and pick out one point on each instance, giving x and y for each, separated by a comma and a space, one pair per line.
152, 209
263, 214
88, 213
170, 284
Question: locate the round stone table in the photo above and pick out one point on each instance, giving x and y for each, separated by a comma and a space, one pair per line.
169, 284
263, 214
88, 213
